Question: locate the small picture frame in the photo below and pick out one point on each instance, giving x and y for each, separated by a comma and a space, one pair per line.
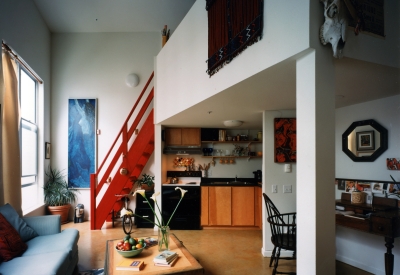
47, 147
365, 141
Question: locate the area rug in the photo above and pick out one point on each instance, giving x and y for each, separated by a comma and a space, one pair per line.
92, 272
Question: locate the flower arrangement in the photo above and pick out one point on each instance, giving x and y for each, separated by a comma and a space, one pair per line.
162, 226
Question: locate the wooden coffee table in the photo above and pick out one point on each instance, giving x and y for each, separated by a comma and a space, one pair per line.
186, 264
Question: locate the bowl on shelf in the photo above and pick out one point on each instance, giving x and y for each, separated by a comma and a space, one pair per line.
130, 253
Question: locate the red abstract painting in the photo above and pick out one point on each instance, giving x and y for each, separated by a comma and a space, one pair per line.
285, 140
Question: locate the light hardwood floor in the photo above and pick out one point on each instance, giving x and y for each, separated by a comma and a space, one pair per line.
219, 251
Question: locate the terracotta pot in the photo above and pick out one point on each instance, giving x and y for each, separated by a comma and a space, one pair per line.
62, 210
147, 188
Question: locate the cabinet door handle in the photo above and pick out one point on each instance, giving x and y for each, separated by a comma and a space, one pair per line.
145, 202
145, 216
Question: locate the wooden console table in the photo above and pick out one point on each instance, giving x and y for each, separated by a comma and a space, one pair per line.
185, 265
381, 218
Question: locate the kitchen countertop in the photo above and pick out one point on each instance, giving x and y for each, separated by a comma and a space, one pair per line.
242, 182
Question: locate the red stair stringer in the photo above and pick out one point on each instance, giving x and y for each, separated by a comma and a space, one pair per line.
136, 158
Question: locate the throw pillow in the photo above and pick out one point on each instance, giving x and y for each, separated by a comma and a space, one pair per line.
11, 244
24, 230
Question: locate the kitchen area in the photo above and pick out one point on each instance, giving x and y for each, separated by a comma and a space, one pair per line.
221, 169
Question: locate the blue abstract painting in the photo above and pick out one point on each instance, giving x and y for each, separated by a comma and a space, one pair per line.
81, 141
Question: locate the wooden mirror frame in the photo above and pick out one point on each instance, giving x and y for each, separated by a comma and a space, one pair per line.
383, 140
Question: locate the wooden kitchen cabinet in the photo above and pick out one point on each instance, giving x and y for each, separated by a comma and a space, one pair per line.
230, 206
243, 206
183, 136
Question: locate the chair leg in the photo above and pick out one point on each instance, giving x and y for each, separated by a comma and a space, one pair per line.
277, 255
272, 256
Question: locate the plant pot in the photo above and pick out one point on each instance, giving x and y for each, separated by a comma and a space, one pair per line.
146, 187
62, 210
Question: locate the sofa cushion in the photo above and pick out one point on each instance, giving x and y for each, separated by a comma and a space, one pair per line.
66, 241
11, 244
26, 233
55, 263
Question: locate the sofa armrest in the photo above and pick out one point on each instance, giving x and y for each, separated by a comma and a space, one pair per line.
44, 225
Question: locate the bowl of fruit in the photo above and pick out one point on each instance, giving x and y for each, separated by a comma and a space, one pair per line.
130, 247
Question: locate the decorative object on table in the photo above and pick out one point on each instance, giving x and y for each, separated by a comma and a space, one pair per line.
393, 164
233, 26
130, 265
164, 35
357, 197
146, 182
81, 141
57, 195
165, 258
163, 241
285, 139
130, 247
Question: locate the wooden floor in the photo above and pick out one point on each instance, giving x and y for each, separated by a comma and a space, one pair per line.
219, 251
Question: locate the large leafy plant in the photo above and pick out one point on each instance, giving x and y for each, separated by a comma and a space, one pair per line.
56, 191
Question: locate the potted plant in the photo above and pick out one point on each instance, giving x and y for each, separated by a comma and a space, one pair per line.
57, 196
146, 182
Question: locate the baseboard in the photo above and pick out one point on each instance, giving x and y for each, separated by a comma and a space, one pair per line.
359, 265
284, 253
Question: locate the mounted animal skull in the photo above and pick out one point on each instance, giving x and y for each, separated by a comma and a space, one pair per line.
334, 29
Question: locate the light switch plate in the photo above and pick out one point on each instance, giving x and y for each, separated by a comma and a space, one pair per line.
287, 189
288, 168
274, 188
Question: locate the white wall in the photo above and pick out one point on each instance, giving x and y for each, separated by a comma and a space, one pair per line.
181, 65
353, 247
94, 65
22, 28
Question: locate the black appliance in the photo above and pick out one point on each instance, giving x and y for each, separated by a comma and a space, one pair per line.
79, 213
187, 216
258, 175
143, 209
209, 134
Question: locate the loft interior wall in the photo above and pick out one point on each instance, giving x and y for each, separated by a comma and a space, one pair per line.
176, 81
94, 65
22, 27
351, 244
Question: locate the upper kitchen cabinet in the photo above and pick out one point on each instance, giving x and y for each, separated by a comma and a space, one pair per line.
182, 137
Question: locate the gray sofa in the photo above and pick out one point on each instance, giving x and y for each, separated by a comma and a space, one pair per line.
50, 251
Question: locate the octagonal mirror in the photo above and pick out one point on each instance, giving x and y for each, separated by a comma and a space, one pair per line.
365, 141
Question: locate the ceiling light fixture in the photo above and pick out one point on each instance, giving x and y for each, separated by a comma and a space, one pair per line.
132, 80
233, 123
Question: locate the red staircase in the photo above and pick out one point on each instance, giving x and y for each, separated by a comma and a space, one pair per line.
131, 150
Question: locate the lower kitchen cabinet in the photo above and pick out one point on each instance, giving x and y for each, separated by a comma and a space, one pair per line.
143, 209
230, 206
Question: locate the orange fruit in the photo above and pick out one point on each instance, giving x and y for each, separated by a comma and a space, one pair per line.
139, 245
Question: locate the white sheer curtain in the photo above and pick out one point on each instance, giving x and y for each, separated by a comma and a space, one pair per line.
11, 168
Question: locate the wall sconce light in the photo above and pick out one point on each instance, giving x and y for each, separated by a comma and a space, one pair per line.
233, 123
132, 80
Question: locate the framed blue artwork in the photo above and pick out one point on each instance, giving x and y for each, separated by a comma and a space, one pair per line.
82, 123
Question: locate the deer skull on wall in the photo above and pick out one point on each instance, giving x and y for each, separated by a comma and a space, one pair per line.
334, 29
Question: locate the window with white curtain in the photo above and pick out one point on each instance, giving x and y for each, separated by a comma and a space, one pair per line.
28, 87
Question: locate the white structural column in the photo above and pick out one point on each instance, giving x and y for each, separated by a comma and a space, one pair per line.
315, 164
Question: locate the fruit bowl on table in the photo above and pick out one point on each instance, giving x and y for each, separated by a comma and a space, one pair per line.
130, 253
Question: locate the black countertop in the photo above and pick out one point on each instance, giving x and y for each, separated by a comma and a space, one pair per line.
229, 182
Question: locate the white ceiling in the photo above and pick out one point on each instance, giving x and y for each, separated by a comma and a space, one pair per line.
356, 81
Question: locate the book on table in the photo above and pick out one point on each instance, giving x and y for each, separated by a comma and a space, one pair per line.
169, 263
129, 264
164, 256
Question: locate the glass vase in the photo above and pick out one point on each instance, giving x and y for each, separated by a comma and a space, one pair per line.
163, 238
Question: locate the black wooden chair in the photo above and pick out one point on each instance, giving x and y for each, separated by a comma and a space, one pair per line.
283, 230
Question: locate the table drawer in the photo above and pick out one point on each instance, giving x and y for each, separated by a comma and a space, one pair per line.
381, 226
355, 223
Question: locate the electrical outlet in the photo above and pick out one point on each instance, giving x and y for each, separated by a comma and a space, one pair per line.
274, 188
287, 189
209, 172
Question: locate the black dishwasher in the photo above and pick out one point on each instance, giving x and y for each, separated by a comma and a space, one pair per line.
187, 216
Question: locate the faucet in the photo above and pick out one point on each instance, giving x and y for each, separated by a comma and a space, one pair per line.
236, 178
